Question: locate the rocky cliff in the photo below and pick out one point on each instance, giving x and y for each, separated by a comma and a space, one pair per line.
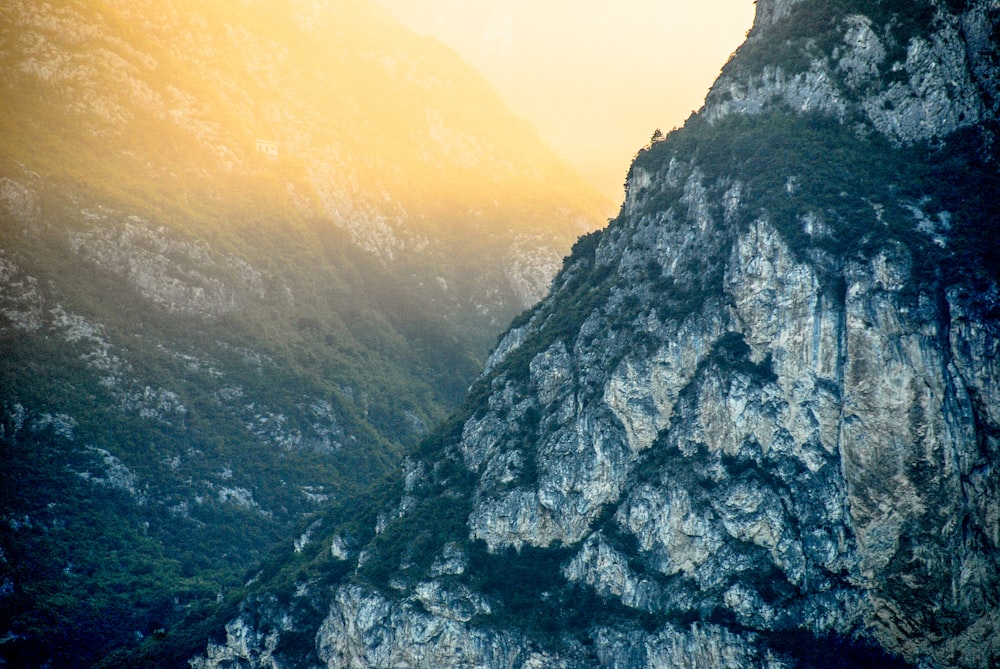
754, 424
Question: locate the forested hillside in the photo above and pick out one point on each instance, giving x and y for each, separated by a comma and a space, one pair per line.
250, 253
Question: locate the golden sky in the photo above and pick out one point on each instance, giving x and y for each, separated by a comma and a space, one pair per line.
595, 78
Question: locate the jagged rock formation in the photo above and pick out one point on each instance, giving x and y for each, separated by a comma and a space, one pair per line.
755, 423
913, 77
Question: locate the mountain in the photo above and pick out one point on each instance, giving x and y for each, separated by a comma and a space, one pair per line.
755, 422
250, 252
379, 134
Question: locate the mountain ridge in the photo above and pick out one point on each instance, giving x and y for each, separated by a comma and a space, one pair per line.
752, 424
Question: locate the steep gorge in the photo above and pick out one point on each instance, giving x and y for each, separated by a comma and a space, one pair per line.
755, 422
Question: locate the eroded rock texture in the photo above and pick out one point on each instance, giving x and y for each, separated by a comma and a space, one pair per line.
756, 422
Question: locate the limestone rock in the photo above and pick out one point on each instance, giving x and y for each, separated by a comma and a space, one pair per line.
744, 429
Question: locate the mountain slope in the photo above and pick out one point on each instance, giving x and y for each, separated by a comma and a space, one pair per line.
380, 134
203, 344
753, 425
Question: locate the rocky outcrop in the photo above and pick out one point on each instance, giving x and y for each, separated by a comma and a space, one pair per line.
21, 302
770, 11
365, 629
754, 424
529, 267
181, 276
909, 86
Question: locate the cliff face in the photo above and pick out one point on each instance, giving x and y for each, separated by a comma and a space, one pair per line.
755, 423
912, 73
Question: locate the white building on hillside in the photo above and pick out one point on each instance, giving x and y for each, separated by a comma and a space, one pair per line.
267, 147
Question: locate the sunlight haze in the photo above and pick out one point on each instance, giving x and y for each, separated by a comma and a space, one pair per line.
596, 79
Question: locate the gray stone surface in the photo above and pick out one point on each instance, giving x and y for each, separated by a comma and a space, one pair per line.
813, 447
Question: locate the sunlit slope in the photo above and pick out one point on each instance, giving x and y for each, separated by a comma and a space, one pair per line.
379, 133
202, 345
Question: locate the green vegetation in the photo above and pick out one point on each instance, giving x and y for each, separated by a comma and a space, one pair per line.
278, 577
138, 572
584, 285
283, 400
235, 430
826, 188
829, 651
438, 515
732, 352
531, 594
859, 190
813, 28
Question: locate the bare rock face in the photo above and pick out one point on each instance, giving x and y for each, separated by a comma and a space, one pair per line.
179, 275
909, 86
755, 422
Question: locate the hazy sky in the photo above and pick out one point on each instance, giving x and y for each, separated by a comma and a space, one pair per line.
595, 78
